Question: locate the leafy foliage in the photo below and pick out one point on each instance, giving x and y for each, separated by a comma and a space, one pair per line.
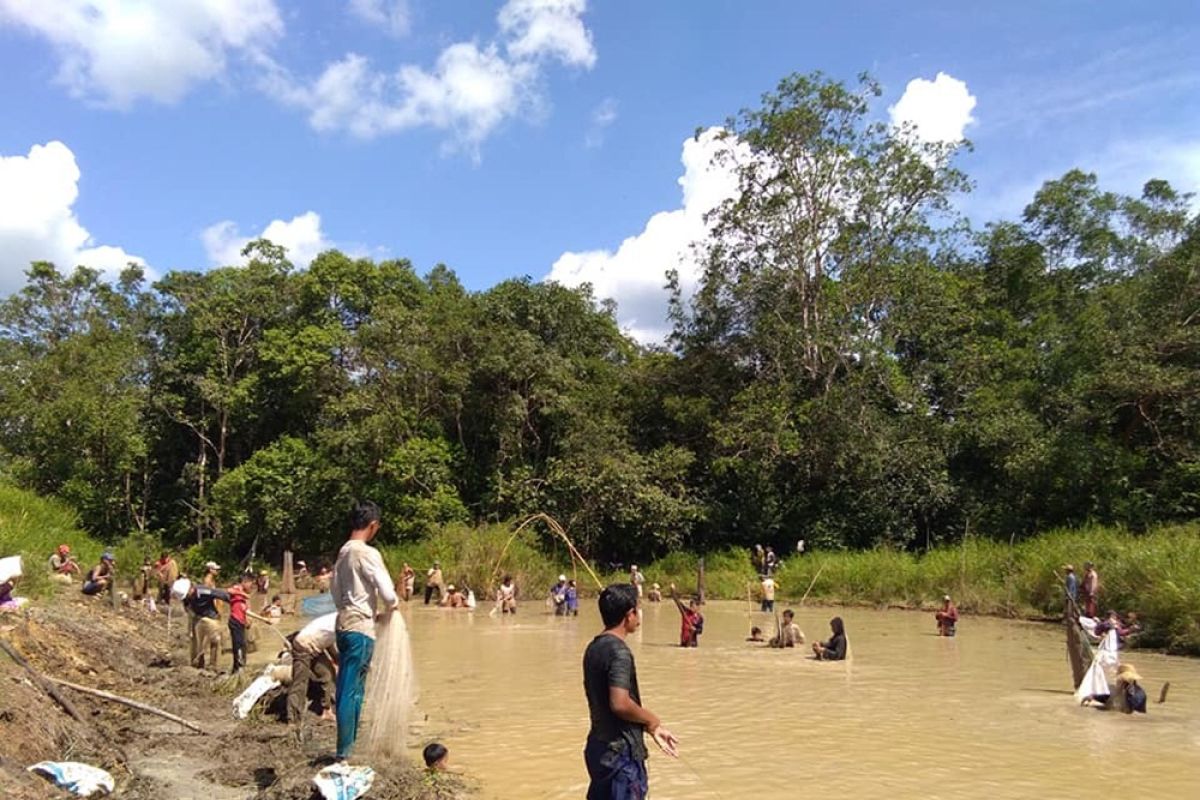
856, 368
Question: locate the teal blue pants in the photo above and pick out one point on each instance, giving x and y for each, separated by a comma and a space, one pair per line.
354, 658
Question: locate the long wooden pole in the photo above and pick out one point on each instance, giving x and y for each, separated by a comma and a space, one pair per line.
125, 701
43, 682
812, 583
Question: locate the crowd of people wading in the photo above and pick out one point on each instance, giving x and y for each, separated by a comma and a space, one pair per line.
332, 653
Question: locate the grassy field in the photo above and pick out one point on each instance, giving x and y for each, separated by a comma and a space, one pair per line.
32, 527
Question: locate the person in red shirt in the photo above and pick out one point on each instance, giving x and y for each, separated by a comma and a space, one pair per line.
947, 617
239, 602
691, 620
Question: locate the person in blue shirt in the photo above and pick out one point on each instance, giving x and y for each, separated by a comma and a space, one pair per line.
1071, 583
558, 594
572, 599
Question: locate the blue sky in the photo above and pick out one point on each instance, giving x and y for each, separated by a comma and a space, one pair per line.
497, 137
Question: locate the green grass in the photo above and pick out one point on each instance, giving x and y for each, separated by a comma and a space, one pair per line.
32, 527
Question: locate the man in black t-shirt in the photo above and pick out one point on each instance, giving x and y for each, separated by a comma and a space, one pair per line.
616, 753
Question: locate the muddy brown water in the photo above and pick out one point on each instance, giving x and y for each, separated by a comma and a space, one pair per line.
911, 715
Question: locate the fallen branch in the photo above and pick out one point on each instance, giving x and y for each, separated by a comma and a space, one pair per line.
125, 701
42, 682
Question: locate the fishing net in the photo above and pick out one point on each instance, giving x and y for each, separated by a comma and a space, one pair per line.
391, 689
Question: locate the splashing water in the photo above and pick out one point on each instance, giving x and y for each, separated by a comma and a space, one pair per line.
391, 689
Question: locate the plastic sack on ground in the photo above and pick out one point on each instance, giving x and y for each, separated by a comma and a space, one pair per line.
254, 692
10, 568
344, 782
76, 778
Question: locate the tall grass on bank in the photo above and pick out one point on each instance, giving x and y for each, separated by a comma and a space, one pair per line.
477, 558
32, 527
1156, 574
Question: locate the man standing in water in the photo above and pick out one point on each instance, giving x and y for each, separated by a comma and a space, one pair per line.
360, 586
616, 752
691, 623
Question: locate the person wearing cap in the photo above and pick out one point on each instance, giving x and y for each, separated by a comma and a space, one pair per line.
558, 595
314, 657
637, 579
1091, 590
262, 584
301, 570
211, 576
453, 598
361, 588
200, 603
62, 565
655, 593
434, 581
947, 617
100, 576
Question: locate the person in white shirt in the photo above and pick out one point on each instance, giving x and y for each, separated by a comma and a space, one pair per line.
768, 593
314, 657
636, 578
361, 587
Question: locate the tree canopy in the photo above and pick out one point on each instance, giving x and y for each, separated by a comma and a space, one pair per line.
857, 367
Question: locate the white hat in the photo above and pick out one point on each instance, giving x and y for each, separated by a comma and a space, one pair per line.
180, 588
633, 568
212, 565
562, 577
450, 587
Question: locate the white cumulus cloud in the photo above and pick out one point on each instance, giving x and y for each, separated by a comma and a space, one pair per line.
547, 29
471, 89
37, 220
393, 16
939, 110
634, 275
119, 51
302, 236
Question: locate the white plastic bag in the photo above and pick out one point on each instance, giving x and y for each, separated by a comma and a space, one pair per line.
254, 692
76, 778
344, 782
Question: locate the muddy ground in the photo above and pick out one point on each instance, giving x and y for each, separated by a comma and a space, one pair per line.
127, 652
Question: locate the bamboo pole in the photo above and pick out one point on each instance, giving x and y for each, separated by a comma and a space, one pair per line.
42, 682
125, 701
812, 583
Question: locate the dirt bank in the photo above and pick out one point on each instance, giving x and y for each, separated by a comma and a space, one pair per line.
127, 652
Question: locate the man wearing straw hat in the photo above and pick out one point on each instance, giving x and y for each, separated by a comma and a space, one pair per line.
1127, 696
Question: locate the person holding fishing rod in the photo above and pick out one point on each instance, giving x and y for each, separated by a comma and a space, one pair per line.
615, 753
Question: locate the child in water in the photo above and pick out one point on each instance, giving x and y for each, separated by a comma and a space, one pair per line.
572, 599
437, 757
691, 620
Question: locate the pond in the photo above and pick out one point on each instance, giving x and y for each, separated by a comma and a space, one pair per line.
910, 715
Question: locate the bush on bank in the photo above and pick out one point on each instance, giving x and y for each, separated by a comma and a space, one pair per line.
1156, 574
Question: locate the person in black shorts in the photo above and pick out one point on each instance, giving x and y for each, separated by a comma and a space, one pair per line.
615, 753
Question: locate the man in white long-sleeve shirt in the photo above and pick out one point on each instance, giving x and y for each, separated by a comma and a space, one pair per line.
361, 588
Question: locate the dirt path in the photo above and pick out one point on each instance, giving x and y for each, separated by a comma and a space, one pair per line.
127, 652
